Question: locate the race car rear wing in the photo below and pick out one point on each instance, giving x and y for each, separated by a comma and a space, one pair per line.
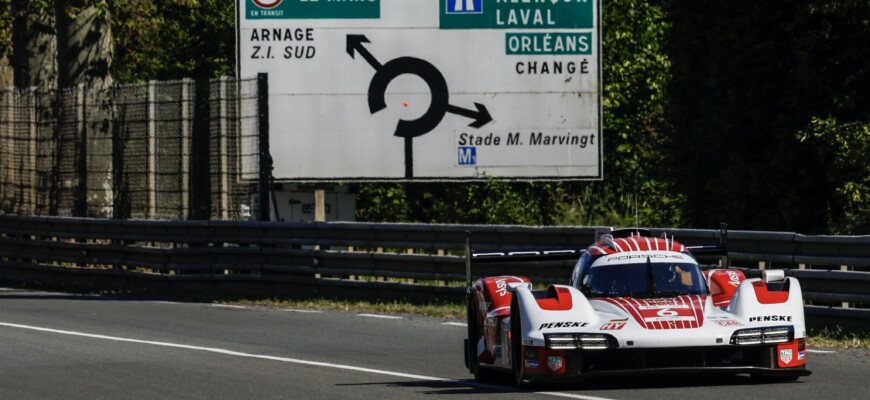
514, 256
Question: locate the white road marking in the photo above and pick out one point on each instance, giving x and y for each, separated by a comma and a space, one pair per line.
821, 351
235, 307
571, 396
289, 360
455, 324
379, 316
296, 310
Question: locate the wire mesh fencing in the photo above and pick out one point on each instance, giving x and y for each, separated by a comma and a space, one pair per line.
177, 150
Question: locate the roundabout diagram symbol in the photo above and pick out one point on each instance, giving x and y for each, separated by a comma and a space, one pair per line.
434, 79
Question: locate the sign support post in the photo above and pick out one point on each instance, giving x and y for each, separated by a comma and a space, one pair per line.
265, 157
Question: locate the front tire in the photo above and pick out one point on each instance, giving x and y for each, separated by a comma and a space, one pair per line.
761, 378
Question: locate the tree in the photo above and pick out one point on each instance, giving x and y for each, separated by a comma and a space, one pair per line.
173, 39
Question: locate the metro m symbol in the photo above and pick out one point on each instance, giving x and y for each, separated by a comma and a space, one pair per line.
467, 156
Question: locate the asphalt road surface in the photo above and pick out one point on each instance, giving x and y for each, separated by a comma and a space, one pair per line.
58, 346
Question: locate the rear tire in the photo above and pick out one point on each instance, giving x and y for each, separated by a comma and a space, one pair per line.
516, 344
480, 374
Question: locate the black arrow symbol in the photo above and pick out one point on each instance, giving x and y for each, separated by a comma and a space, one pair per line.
481, 116
355, 44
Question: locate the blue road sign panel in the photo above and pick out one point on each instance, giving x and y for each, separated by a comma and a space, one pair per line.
464, 6
467, 156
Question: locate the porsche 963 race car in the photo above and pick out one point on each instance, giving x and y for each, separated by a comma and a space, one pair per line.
635, 304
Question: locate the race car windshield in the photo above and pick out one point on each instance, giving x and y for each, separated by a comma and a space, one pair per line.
647, 279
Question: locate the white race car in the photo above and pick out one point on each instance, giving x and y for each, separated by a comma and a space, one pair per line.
635, 304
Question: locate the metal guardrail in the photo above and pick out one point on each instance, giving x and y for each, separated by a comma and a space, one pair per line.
416, 262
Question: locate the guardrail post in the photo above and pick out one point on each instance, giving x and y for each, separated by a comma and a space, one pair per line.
320, 205
845, 304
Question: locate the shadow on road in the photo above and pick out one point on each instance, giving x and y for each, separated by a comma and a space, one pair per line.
470, 387
457, 387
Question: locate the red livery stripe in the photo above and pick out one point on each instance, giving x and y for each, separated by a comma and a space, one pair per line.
635, 244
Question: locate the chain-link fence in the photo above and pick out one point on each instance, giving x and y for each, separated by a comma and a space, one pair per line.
184, 149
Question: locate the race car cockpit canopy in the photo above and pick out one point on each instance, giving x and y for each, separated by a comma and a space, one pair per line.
643, 275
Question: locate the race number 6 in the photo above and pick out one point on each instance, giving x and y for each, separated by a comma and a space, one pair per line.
666, 312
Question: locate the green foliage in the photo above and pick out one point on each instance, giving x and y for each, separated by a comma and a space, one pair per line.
636, 71
382, 203
437, 310
743, 87
6, 18
173, 39
489, 202
848, 144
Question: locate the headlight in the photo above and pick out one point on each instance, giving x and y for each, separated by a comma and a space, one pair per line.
561, 342
582, 341
777, 335
746, 336
774, 334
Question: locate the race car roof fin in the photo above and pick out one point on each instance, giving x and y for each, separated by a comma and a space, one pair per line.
602, 232
720, 249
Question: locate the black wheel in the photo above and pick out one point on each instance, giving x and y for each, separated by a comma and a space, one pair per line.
516, 344
474, 333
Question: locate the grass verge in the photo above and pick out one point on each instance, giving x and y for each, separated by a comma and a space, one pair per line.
445, 310
839, 338
828, 338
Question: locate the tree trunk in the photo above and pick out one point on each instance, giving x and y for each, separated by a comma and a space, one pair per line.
84, 50
34, 45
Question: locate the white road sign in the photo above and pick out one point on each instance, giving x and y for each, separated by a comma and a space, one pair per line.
428, 89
